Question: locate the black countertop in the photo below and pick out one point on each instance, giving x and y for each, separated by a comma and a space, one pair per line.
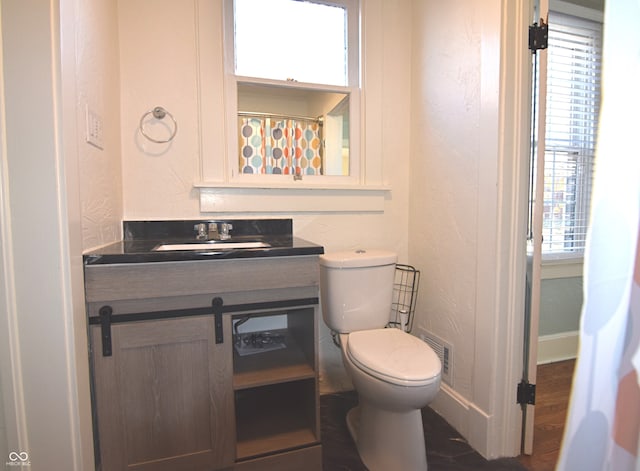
141, 237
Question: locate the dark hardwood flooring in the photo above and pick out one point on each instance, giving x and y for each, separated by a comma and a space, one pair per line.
447, 450
553, 388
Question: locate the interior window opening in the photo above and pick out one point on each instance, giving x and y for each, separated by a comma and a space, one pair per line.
295, 75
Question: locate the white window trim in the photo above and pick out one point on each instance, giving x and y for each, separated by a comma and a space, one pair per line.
572, 9
250, 180
219, 193
553, 268
352, 89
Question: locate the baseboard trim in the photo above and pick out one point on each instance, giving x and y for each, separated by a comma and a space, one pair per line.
557, 347
471, 422
453, 407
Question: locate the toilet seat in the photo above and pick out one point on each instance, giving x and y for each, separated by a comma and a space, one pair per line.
394, 356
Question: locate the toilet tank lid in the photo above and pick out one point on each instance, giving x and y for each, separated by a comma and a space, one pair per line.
358, 258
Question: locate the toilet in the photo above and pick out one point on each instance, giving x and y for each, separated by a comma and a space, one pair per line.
394, 373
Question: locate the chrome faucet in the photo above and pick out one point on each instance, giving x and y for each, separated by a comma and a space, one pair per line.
213, 231
202, 233
223, 230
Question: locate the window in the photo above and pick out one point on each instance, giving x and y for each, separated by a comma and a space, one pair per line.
292, 75
573, 102
280, 39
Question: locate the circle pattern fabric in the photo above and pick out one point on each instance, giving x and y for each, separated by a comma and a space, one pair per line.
280, 146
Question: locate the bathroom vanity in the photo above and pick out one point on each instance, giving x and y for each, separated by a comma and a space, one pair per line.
175, 386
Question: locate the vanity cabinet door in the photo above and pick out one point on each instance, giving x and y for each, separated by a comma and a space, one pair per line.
164, 398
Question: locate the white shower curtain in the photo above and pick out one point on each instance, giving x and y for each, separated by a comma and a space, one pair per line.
603, 425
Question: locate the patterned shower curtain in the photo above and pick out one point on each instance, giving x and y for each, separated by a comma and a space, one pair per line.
280, 146
603, 425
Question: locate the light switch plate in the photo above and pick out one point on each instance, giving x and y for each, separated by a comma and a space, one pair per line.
94, 133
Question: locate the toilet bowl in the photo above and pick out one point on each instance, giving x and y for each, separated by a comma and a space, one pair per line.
394, 373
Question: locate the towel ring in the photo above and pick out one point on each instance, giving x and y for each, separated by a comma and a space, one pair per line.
158, 113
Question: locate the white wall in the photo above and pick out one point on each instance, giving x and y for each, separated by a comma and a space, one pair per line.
98, 89
158, 68
467, 212
445, 185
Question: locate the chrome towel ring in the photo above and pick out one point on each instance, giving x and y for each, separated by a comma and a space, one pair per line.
158, 113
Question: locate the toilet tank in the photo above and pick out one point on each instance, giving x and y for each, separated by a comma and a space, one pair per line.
356, 289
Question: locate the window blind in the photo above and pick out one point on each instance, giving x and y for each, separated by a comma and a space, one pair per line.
573, 103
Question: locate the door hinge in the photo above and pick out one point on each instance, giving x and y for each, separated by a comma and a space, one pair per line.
526, 393
538, 36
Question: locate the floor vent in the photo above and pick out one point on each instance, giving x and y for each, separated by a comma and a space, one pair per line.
444, 352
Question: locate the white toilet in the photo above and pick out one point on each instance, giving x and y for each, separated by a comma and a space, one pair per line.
394, 373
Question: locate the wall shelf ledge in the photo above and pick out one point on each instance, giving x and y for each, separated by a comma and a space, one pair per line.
288, 198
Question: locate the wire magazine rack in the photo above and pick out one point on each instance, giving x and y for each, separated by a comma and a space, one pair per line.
405, 294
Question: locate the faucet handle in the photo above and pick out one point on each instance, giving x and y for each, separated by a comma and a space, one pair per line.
201, 231
224, 229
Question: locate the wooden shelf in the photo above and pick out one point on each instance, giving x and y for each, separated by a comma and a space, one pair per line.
271, 367
275, 417
276, 396
251, 447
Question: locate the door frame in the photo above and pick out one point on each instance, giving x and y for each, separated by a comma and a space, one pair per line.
534, 255
504, 433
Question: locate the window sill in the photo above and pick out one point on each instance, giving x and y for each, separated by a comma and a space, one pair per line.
258, 198
561, 267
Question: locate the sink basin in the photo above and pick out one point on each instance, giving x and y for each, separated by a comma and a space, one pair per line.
211, 246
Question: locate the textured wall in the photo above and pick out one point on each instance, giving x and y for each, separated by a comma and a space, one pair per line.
98, 88
445, 173
158, 68
467, 207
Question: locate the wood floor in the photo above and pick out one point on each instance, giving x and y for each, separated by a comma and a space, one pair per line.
553, 387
